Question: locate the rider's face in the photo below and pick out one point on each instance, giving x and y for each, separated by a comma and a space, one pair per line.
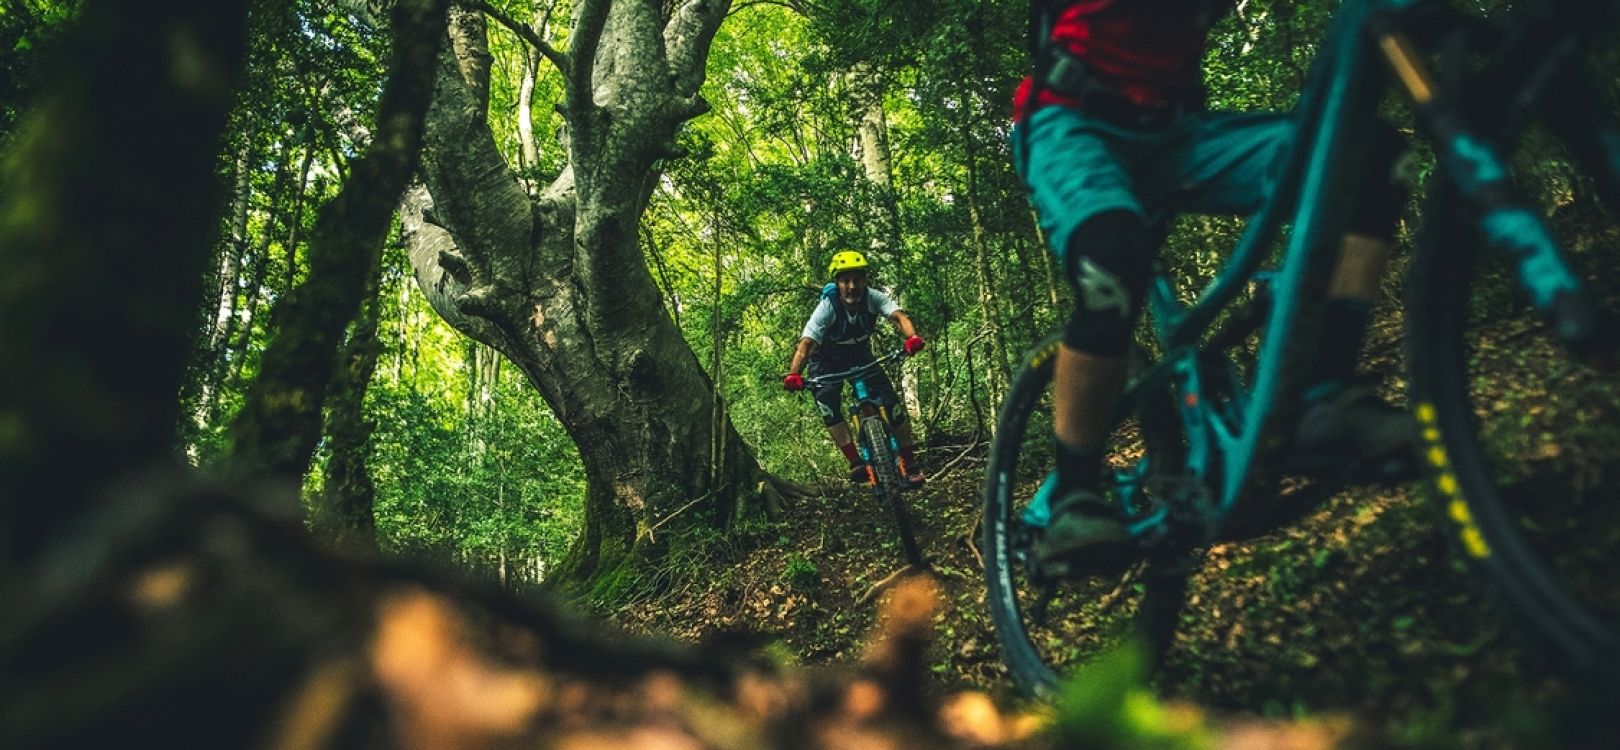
851, 287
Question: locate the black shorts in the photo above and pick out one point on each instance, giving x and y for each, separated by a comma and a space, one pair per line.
829, 396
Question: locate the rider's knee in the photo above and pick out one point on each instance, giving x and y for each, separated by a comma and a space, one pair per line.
1384, 187
1108, 263
829, 413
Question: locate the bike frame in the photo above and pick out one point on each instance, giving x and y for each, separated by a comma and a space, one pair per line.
1230, 437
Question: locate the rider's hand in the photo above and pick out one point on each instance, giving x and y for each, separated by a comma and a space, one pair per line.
793, 382
914, 344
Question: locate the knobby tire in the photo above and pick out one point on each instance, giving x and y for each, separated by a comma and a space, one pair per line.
1031, 650
1488, 491
889, 485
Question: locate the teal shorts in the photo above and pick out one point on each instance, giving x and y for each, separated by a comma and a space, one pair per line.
1208, 163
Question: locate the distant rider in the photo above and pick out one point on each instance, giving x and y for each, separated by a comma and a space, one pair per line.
838, 338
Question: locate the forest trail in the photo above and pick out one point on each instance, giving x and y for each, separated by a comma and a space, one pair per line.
1358, 609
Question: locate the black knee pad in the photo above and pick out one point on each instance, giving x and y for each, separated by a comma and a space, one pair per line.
1382, 194
1108, 261
828, 400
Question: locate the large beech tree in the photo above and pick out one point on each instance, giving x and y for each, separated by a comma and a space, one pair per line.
558, 283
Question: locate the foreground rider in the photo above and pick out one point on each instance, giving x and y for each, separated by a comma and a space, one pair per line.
1116, 140
838, 338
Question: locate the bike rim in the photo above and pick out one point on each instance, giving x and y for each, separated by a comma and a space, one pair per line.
1523, 440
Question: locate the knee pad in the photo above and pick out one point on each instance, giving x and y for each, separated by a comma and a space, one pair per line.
1107, 263
828, 402
1382, 194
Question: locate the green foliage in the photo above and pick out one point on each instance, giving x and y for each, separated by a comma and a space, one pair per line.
27, 27
1107, 704
471, 468
801, 572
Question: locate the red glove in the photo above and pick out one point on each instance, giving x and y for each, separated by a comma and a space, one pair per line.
793, 382
914, 344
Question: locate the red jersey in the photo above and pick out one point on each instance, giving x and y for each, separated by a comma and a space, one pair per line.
1147, 51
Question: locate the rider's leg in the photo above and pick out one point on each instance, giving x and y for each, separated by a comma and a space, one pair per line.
845, 442
829, 400
1081, 175
1229, 163
1343, 416
1363, 254
1351, 295
900, 420
1107, 261
1084, 389
908, 449
846, 445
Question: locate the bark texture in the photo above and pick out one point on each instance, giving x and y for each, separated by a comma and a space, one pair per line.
344, 511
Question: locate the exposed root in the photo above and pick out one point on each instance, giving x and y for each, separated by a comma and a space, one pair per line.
879, 587
778, 494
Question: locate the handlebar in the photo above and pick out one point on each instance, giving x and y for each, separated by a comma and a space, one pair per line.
855, 372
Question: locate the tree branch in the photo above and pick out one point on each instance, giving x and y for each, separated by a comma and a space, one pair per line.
278, 427
687, 39
557, 57
587, 35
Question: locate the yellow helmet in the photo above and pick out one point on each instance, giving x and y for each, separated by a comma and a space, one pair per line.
847, 260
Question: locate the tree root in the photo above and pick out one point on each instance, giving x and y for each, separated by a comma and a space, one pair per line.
879, 587
778, 494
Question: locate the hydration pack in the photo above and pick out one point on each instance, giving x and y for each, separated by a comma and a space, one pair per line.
847, 326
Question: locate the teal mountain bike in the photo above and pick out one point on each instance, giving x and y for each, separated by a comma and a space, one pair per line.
868, 421
1510, 346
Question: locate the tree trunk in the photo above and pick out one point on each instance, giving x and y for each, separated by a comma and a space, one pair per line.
231, 257
260, 258
559, 284
276, 431
222, 325
885, 209
295, 229
989, 303
528, 164
343, 512
110, 197
875, 165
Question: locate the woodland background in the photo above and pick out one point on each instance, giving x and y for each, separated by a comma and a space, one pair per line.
557, 365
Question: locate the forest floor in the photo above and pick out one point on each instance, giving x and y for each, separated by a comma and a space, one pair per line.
1360, 611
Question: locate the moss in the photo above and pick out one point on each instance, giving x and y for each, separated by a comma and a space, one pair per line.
612, 586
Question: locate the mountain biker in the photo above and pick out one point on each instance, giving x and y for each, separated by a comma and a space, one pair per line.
1117, 138
838, 337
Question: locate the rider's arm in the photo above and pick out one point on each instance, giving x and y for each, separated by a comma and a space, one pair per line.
903, 322
802, 352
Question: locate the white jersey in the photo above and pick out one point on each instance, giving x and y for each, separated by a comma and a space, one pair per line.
834, 324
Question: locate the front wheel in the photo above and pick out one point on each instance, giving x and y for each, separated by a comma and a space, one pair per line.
1522, 437
887, 470
1048, 626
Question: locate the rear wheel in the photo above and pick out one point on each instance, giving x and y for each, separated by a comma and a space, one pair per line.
889, 482
1048, 626
1522, 437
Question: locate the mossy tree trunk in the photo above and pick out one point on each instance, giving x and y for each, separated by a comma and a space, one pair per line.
344, 511
558, 284
97, 297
